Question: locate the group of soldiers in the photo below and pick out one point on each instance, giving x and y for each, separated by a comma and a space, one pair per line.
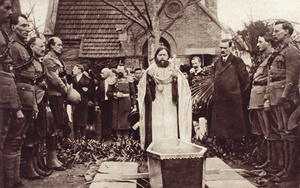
30, 90
274, 100
272, 85
34, 84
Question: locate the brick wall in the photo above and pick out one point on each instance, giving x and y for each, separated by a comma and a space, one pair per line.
194, 29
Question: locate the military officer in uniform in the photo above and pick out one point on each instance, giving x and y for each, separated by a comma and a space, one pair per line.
57, 90
10, 106
38, 129
259, 114
25, 82
283, 94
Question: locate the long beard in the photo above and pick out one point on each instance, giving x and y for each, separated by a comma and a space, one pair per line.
162, 63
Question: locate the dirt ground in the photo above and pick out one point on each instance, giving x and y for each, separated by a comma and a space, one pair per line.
74, 178
70, 178
292, 182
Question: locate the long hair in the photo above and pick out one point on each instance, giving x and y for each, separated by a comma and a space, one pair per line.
159, 50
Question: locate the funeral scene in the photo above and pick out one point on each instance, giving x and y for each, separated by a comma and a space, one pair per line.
149, 93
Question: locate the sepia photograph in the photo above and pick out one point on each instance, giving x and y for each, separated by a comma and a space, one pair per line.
149, 93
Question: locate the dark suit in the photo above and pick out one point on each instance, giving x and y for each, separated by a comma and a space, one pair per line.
80, 113
231, 80
105, 106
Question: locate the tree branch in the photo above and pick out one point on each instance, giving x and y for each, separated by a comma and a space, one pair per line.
161, 7
140, 13
127, 8
31, 10
148, 15
124, 14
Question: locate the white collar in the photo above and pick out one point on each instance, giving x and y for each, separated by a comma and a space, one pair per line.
78, 77
225, 58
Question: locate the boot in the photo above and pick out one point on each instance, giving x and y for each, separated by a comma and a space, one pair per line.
291, 168
51, 148
286, 156
42, 163
52, 161
28, 170
276, 157
268, 161
8, 169
35, 163
41, 158
11, 162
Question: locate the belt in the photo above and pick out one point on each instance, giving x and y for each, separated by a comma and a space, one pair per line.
31, 82
277, 79
26, 80
261, 83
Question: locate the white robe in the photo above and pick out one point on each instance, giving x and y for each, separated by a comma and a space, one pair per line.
164, 111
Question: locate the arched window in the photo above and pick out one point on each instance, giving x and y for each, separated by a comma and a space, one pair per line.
162, 42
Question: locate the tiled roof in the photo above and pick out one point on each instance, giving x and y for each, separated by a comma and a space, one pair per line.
94, 23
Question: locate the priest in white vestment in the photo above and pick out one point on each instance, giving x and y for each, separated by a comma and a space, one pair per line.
164, 101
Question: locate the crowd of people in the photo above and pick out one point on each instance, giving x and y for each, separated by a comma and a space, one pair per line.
263, 101
37, 101
42, 104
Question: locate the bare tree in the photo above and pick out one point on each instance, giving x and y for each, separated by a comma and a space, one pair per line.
32, 20
147, 17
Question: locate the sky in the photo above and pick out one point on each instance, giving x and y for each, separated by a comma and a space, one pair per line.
233, 13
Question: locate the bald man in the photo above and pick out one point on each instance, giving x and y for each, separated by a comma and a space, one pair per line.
57, 90
104, 103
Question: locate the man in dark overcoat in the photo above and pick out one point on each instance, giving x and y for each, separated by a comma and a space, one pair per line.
231, 80
104, 103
